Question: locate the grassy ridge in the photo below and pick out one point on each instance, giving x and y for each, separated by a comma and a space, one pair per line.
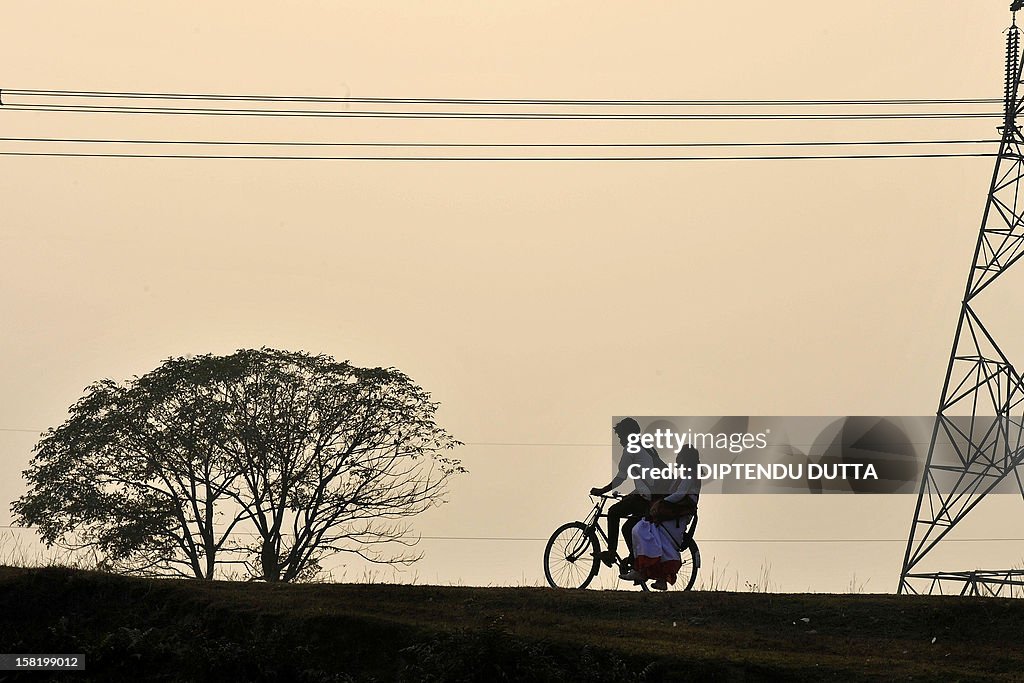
138, 629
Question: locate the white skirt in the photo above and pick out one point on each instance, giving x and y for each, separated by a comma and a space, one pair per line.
654, 540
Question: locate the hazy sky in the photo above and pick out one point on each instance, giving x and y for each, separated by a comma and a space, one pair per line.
534, 300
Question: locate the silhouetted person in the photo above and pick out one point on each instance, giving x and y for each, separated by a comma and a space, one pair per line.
658, 542
635, 505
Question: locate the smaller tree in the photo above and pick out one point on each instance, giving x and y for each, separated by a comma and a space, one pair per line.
179, 471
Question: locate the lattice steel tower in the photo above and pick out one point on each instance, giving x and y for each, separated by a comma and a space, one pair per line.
988, 446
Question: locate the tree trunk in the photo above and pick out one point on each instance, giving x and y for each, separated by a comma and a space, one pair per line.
268, 560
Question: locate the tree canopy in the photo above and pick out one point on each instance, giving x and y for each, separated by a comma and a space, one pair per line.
264, 461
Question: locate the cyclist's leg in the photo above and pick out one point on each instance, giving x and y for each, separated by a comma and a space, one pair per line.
627, 536
633, 504
613, 528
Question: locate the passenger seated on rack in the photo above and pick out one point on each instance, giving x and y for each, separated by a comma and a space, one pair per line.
658, 538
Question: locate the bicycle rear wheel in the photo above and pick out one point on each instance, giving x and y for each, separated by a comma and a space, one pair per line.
687, 575
570, 558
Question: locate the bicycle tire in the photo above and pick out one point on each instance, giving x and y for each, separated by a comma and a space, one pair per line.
566, 559
687, 576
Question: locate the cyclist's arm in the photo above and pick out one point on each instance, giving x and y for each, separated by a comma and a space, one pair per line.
615, 483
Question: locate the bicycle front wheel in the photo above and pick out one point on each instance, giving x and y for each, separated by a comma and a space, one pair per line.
570, 558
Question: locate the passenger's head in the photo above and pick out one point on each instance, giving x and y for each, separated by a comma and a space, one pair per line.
688, 457
624, 428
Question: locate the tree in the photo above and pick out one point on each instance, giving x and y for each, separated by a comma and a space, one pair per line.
264, 459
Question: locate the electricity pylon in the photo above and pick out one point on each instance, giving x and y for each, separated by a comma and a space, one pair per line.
981, 382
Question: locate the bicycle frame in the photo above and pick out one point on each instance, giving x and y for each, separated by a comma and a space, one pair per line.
688, 532
598, 513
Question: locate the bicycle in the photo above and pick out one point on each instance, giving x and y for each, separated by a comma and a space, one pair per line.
571, 557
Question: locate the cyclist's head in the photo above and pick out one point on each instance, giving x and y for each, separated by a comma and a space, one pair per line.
625, 427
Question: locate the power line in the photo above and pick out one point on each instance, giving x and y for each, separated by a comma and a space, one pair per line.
552, 444
485, 101
487, 158
535, 444
702, 540
534, 539
497, 443
552, 116
825, 143
478, 443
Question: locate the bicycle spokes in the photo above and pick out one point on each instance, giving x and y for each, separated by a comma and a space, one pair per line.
570, 559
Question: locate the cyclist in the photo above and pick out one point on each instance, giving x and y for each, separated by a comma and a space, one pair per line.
635, 505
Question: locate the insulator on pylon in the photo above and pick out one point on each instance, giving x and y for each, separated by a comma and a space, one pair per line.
1012, 72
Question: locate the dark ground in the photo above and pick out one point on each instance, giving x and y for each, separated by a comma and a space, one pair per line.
166, 630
